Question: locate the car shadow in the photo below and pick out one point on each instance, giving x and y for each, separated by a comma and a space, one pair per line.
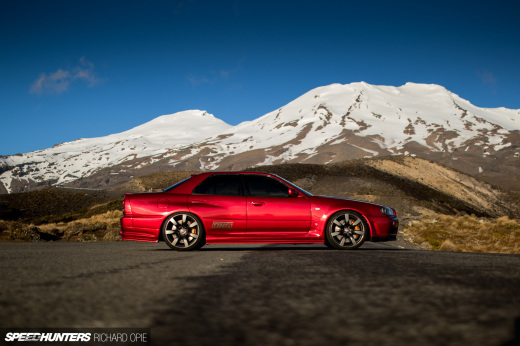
285, 247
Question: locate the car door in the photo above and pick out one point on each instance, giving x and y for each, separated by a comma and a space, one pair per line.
221, 204
272, 212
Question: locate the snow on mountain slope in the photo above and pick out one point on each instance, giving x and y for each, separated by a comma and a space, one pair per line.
372, 119
327, 124
73, 160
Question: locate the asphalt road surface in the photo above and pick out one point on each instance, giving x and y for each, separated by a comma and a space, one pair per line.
264, 295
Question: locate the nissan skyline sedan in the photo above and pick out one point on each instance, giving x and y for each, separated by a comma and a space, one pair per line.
251, 208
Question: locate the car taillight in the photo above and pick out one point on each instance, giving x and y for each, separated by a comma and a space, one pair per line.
127, 208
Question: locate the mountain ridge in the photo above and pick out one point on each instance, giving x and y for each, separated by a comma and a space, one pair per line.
328, 124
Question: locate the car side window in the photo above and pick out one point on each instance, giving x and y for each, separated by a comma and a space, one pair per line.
261, 186
225, 185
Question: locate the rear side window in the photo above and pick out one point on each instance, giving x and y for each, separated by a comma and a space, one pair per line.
261, 186
225, 185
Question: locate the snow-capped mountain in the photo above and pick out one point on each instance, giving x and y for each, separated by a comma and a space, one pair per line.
70, 161
327, 124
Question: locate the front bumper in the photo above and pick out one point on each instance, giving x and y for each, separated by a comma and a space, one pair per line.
384, 228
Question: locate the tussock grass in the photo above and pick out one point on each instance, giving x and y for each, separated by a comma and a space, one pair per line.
55, 204
467, 234
17, 231
115, 205
98, 227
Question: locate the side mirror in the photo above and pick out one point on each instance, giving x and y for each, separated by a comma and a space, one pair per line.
293, 193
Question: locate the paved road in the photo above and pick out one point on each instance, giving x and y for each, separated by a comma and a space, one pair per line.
264, 295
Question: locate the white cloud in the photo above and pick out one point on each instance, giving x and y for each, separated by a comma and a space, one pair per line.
487, 78
196, 81
213, 76
60, 81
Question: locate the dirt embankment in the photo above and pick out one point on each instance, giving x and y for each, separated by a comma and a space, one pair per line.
478, 194
414, 186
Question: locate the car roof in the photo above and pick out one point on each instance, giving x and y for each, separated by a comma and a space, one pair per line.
232, 173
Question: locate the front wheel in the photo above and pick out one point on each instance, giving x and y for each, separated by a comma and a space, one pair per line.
183, 231
346, 230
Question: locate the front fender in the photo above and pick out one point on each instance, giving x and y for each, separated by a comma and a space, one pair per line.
322, 209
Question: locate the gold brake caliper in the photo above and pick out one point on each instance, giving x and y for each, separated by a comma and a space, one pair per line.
356, 228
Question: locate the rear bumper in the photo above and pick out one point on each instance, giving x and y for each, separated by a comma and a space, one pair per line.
128, 232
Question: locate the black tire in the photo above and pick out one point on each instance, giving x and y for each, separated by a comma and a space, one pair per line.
183, 231
343, 235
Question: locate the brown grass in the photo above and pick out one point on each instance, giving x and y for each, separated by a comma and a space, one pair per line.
56, 205
466, 234
94, 228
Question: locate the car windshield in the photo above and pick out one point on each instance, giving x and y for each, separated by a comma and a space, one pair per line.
175, 185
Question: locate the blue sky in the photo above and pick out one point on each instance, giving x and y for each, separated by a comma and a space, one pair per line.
80, 69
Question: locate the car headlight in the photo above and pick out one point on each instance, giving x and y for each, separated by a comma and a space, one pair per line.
387, 211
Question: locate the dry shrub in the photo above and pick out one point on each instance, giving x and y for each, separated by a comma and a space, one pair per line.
467, 233
95, 228
448, 245
18, 231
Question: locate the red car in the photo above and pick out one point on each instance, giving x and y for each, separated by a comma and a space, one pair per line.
253, 208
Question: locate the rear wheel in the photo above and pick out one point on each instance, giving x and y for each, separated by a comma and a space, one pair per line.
183, 231
346, 230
